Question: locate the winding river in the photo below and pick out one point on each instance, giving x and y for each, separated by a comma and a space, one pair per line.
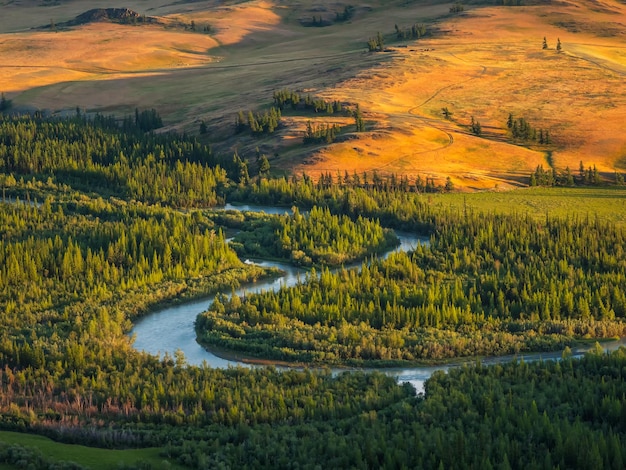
171, 329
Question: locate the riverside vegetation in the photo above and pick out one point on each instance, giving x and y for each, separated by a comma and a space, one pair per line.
471, 292
114, 233
318, 237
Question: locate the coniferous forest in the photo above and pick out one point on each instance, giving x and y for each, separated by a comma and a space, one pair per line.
102, 221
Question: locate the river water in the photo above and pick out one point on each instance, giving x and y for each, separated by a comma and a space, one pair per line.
172, 329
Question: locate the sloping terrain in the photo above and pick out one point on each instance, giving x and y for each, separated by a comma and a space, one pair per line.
485, 62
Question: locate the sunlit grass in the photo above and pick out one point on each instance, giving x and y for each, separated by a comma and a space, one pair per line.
607, 203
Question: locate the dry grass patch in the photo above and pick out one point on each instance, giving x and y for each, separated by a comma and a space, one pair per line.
490, 64
486, 63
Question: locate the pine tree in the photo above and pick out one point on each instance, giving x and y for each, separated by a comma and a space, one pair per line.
380, 41
558, 45
545, 43
569, 178
264, 166
358, 119
475, 127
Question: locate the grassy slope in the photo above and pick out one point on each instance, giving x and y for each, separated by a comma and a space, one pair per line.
90, 457
607, 204
490, 63
486, 63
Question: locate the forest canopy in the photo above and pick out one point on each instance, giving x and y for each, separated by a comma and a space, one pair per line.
102, 221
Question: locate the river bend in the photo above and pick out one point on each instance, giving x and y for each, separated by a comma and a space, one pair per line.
172, 329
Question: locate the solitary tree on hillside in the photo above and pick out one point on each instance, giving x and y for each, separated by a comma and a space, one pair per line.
475, 127
376, 44
380, 41
264, 166
545, 43
558, 45
358, 119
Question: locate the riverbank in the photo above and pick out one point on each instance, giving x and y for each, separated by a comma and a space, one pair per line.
173, 329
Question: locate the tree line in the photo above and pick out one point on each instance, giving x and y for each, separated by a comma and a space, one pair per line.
287, 97
589, 176
567, 414
105, 156
521, 129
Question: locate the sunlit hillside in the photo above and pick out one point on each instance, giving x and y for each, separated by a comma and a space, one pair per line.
205, 61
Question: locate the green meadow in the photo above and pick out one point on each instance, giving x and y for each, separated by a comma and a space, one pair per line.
90, 457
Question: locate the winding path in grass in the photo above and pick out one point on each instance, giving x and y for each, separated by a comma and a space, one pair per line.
429, 122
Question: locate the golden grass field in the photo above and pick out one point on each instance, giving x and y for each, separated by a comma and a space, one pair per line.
486, 62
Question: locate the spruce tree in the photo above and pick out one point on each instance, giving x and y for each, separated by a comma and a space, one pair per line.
264, 166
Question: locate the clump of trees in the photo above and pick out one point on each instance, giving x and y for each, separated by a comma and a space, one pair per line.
589, 176
457, 8
148, 119
258, 123
376, 43
320, 21
316, 21
345, 15
295, 100
415, 31
317, 237
521, 129
320, 133
475, 127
